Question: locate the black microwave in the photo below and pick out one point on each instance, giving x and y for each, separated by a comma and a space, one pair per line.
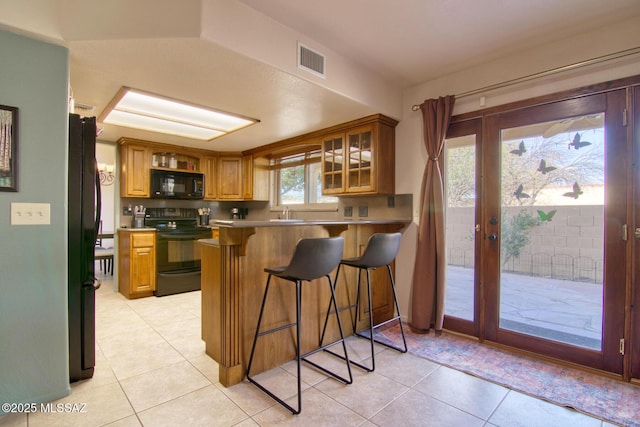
176, 185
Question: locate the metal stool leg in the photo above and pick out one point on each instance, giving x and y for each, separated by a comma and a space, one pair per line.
326, 347
255, 337
258, 334
395, 299
299, 357
372, 327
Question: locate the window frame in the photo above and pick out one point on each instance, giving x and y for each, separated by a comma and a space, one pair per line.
312, 156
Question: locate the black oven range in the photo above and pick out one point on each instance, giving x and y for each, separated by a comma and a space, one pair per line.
177, 248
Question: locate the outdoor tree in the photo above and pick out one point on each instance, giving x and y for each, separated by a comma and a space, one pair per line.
291, 180
532, 168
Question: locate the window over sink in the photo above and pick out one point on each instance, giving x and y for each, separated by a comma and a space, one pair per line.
297, 179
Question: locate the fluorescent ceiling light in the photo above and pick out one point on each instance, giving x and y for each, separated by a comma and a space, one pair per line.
140, 110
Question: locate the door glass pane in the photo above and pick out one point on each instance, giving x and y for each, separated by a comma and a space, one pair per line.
460, 229
552, 230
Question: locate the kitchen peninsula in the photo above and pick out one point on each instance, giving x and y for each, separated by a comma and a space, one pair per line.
233, 281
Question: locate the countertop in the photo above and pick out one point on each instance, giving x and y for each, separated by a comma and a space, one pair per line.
244, 223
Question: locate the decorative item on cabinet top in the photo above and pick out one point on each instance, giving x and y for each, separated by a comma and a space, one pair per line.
169, 160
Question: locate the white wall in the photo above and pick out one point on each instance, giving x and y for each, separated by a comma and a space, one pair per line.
410, 153
106, 153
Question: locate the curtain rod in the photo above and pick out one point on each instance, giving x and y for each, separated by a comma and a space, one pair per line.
569, 67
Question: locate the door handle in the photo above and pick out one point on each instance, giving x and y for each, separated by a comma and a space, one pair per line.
493, 236
637, 233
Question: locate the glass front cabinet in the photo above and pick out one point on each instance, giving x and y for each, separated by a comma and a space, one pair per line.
360, 159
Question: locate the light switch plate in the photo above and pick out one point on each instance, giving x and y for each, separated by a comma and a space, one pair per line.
30, 213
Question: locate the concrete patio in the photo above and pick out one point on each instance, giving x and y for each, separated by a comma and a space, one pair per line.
561, 310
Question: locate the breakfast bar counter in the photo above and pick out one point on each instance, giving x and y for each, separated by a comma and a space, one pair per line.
233, 281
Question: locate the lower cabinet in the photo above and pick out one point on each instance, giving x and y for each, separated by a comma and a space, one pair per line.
136, 263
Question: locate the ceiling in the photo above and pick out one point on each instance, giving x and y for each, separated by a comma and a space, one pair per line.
209, 52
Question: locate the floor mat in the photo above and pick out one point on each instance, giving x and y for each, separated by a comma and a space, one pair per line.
586, 392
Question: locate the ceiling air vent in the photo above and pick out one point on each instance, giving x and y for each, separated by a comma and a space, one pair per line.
310, 60
85, 110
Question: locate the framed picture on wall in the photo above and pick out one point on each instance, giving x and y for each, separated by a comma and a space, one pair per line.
8, 148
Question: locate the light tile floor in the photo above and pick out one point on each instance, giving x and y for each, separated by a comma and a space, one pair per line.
152, 370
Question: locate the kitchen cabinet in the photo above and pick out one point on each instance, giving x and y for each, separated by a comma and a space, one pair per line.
360, 159
230, 178
174, 160
333, 164
210, 169
255, 180
136, 263
227, 177
242, 178
138, 157
135, 166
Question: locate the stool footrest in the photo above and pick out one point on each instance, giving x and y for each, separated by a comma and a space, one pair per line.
279, 328
352, 362
341, 309
273, 396
385, 322
401, 350
323, 369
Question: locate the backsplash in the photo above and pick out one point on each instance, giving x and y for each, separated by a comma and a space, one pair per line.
399, 206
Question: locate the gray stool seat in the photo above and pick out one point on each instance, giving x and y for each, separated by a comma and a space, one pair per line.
380, 251
313, 258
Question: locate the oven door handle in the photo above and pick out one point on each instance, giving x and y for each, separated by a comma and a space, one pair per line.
179, 273
171, 236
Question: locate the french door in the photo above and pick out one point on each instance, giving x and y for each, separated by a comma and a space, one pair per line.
462, 170
634, 231
545, 226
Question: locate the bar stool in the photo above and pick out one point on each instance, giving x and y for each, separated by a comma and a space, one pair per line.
381, 250
313, 258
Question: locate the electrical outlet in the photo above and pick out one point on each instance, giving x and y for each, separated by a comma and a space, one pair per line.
30, 213
391, 202
348, 211
363, 211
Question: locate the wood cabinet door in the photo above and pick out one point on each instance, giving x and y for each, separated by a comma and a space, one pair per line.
359, 162
143, 266
333, 151
210, 169
247, 177
135, 171
230, 178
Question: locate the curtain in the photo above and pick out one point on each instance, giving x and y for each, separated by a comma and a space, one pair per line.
427, 302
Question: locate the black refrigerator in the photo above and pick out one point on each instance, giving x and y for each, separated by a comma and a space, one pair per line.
84, 217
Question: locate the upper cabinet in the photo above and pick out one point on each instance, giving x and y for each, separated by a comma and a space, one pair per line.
333, 164
243, 178
360, 159
210, 169
135, 165
226, 176
230, 178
